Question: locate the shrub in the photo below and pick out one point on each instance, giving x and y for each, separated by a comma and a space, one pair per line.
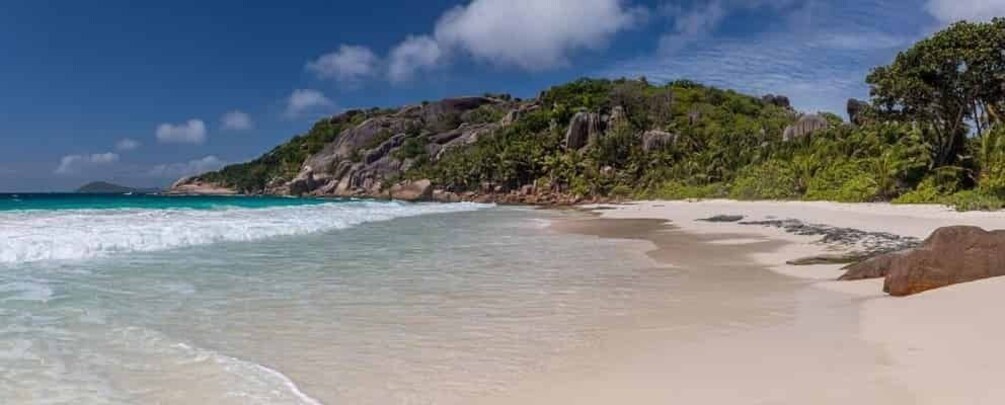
845, 182
773, 180
675, 190
974, 200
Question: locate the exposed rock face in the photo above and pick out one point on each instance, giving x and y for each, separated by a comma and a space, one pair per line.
655, 140
857, 110
420, 190
584, 128
194, 186
618, 117
951, 255
778, 100
805, 126
352, 166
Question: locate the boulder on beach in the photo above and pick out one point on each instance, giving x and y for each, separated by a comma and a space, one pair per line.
419, 190
951, 255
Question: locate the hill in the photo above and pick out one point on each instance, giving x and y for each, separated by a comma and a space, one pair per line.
102, 187
932, 132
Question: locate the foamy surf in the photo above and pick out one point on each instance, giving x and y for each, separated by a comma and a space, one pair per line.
31, 236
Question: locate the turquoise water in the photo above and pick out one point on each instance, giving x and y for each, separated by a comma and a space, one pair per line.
303, 302
67, 201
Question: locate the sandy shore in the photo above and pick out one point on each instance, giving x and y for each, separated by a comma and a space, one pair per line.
790, 335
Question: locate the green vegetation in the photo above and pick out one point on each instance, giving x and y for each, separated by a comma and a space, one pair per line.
281, 163
932, 133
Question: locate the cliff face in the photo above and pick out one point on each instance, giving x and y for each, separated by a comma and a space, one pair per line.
376, 147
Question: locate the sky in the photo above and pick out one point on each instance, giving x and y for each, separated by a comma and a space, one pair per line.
144, 94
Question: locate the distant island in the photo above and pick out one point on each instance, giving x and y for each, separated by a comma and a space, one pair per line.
104, 187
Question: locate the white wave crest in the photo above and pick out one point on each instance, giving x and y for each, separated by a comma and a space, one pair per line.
29, 236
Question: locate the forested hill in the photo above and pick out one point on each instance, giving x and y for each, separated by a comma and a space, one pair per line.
930, 133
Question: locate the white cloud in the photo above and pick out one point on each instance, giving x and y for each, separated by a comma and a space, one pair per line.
303, 100
861, 41
237, 121
532, 34
192, 131
73, 164
177, 170
127, 144
348, 65
412, 55
950, 11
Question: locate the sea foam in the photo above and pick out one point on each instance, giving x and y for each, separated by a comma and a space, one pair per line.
38, 235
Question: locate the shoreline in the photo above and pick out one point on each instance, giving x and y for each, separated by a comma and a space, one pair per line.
934, 347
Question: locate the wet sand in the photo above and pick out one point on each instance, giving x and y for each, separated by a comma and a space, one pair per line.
734, 333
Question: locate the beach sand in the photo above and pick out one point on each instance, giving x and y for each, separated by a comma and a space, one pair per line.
750, 329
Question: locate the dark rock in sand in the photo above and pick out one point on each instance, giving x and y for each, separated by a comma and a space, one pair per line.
723, 218
837, 258
874, 267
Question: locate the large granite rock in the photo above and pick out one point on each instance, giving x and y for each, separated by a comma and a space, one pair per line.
778, 100
419, 190
951, 255
583, 128
655, 140
805, 126
857, 110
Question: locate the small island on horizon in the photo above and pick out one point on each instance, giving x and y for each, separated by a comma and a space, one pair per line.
104, 187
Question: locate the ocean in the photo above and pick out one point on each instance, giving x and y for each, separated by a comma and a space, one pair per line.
114, 299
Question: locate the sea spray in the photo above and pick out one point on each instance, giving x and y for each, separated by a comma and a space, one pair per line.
37, 235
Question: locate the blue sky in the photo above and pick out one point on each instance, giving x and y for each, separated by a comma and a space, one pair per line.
143, 94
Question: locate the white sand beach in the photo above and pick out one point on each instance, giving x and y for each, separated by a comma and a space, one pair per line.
834, 342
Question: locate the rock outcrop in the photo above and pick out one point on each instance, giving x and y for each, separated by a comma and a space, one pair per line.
584, 128
195, 186
363, 157
419, 190
949, 256
655, 140
857, 111
805, 126
778, 100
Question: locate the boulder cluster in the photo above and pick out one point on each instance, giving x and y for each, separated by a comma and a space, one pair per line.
951, 255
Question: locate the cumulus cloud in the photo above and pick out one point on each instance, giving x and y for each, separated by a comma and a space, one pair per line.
236, 121
191, 131
348, 64
950, 11
413, 55
126, 144
818, 53
72, 164
532, 34
303, 100
182, 169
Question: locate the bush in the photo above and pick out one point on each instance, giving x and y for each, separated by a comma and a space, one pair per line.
675, 190
974, 200
774, 180
844, 182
